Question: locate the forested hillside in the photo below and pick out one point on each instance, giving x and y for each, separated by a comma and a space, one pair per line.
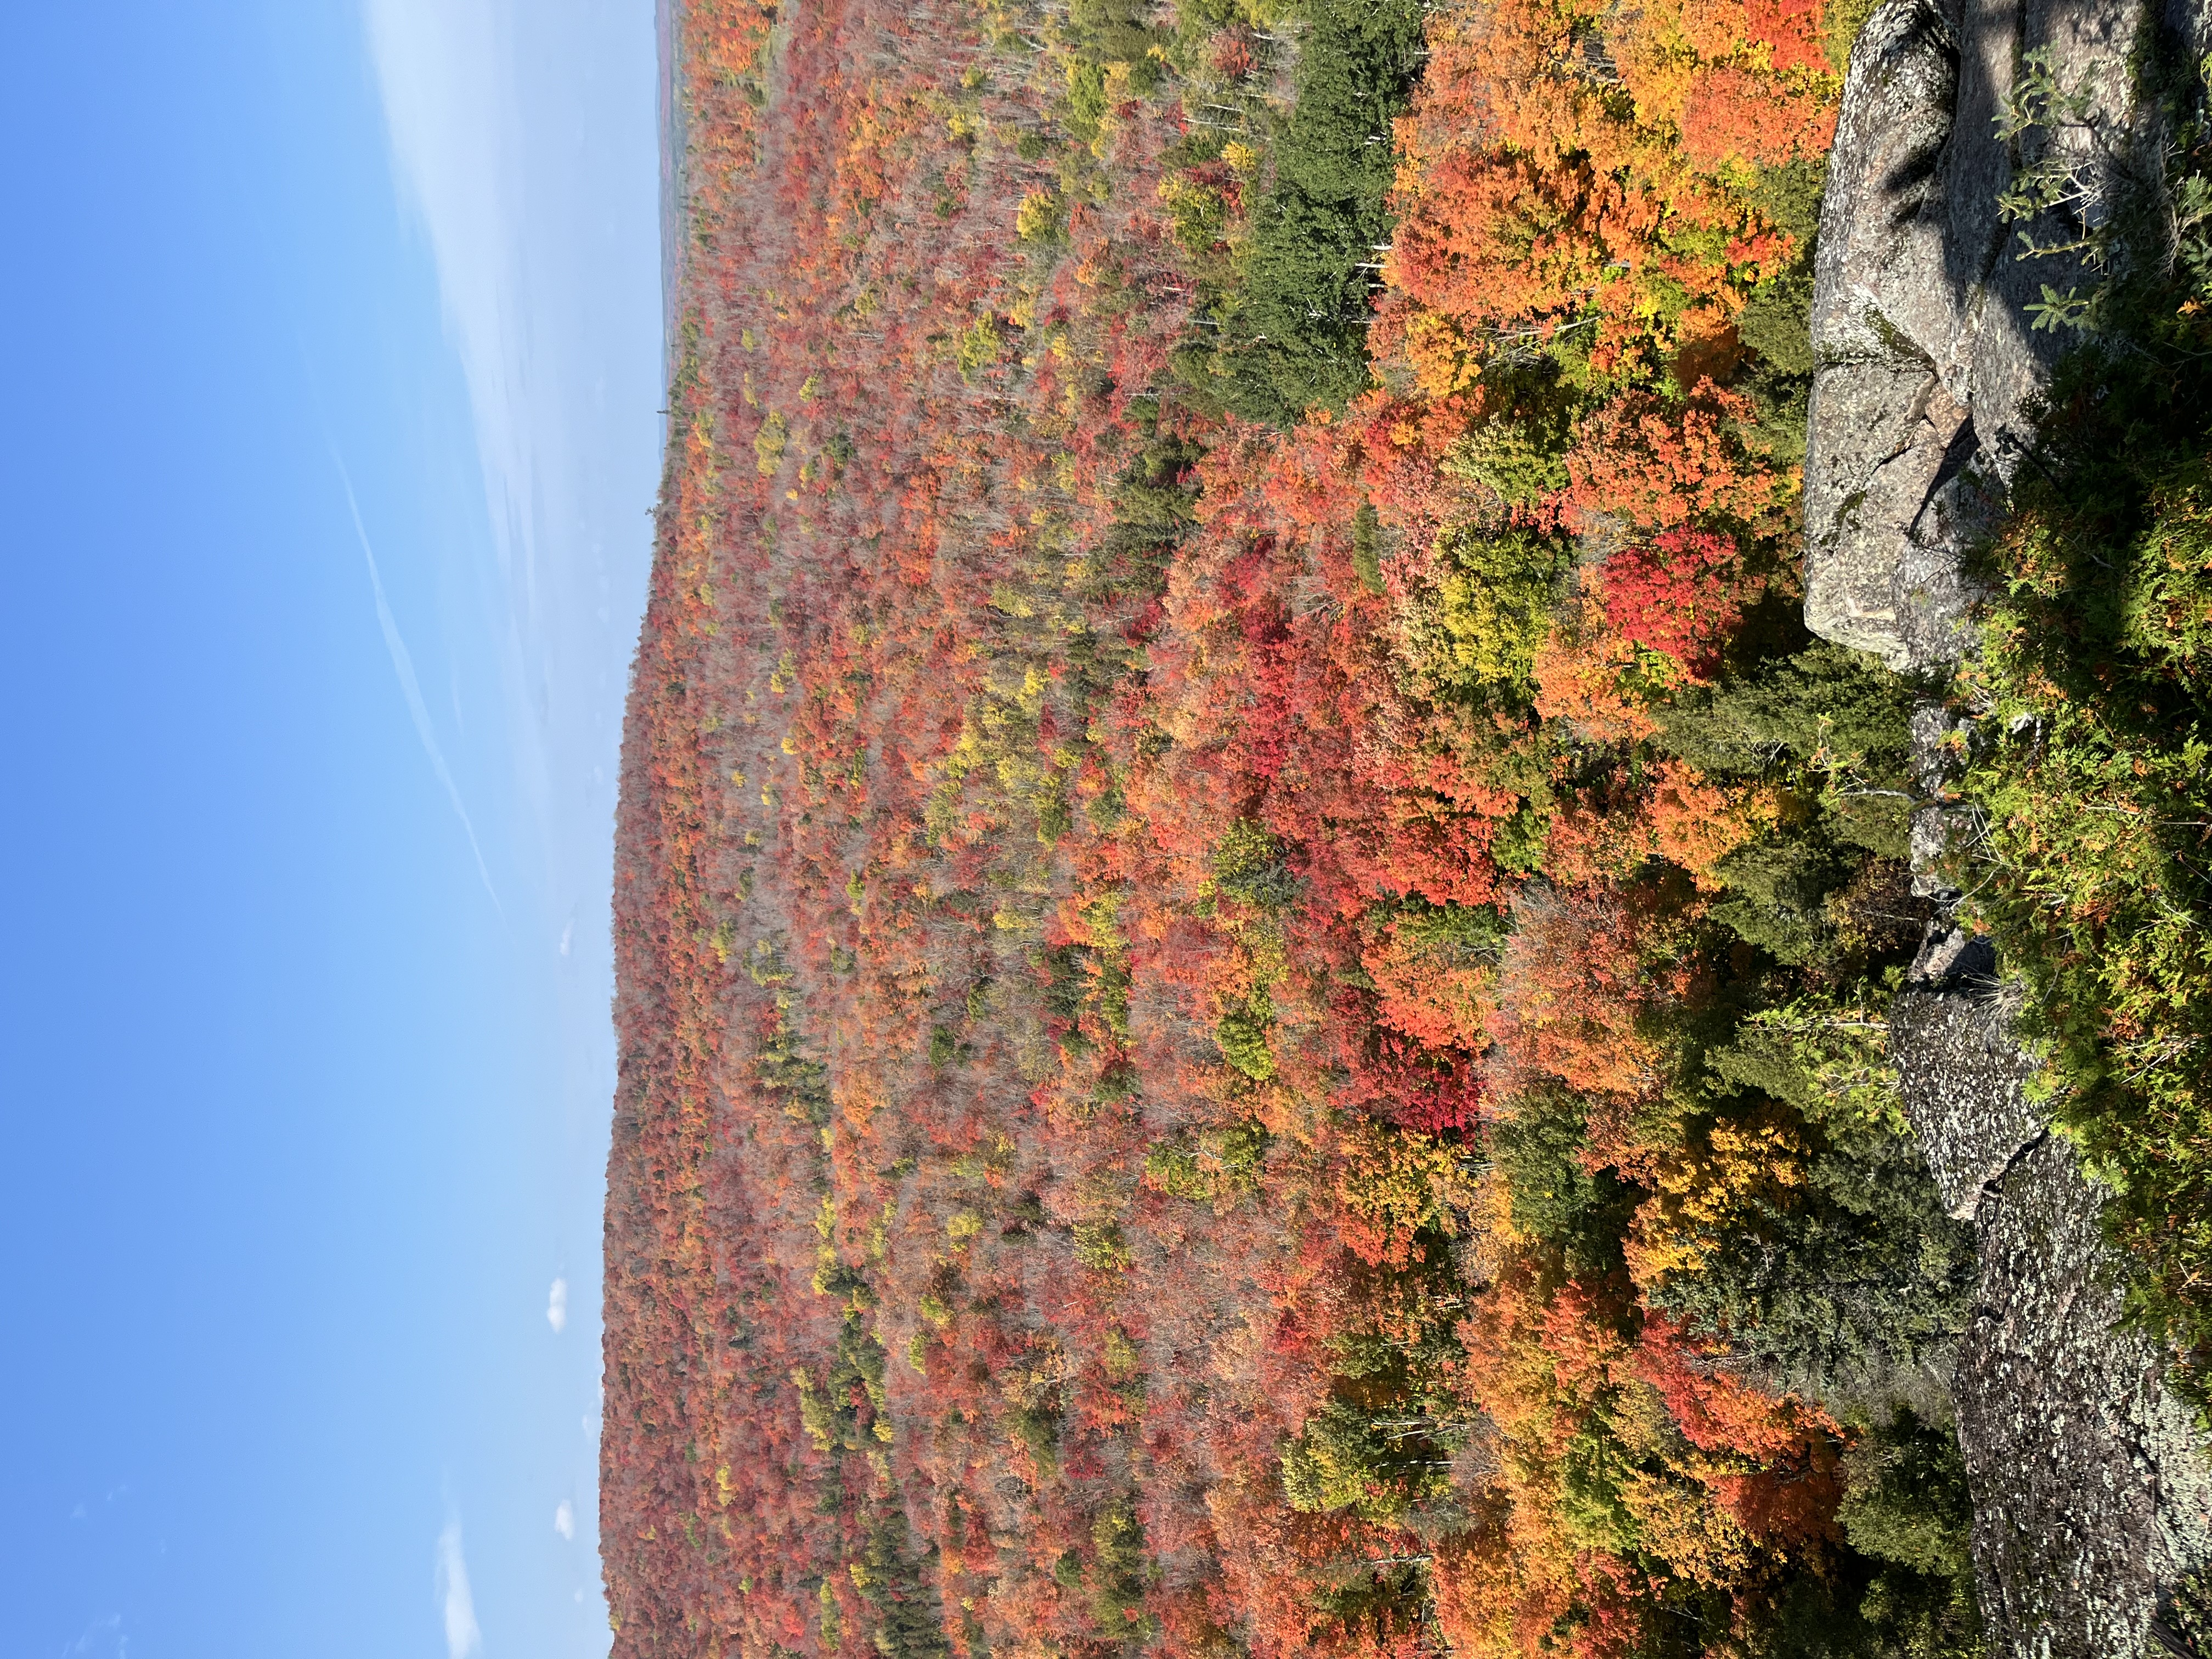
1253, 943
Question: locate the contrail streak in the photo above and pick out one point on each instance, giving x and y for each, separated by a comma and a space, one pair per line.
404, 665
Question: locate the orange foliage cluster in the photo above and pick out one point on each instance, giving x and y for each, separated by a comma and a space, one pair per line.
1068, 945
1568, 167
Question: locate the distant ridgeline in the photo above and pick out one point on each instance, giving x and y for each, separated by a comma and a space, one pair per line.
1253, 943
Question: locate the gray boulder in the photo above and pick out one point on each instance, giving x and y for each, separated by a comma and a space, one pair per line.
1927, 362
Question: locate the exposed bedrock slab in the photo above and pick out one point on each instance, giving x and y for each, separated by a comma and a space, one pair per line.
2093, 1496
1964, 1088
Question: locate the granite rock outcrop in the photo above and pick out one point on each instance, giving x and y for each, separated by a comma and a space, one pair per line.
1928, 360
2093, 1494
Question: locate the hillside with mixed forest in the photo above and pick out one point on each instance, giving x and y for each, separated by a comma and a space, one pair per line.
1265, 980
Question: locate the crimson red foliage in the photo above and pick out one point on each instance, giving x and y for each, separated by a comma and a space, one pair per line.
1682, 593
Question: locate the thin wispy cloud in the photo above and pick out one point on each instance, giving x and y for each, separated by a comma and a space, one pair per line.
444, 69
470, 162
402, 665
102, 1637
557, 1306
564, 1519
463, 1639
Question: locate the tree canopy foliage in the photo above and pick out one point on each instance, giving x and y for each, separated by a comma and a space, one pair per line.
1250, 938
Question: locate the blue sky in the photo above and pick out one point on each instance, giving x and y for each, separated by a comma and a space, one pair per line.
331, 370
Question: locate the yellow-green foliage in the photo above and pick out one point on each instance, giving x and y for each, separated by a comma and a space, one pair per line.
2095, 789
1488, 612
769, 443
1217, 1165
1038, 217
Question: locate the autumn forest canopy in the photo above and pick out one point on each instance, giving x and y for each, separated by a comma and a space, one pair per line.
1255, 945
